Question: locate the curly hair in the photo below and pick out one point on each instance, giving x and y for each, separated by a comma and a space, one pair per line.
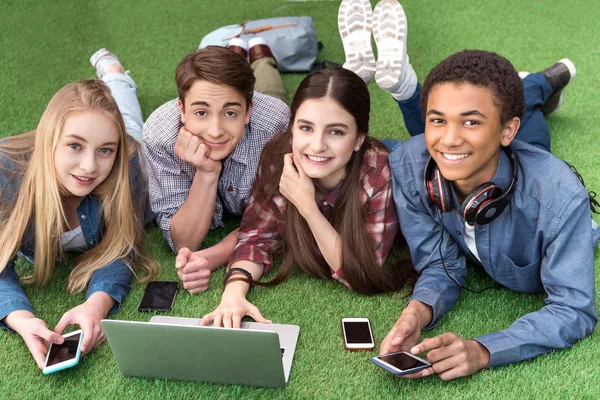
480, 68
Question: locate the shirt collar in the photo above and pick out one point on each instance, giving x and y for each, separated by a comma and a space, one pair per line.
334, 194
504, 172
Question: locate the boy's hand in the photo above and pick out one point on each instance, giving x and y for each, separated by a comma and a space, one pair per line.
403, 336
193, 270
192, 150
453, 356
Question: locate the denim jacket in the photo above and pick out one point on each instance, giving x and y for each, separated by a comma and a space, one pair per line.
542, 242
114, 279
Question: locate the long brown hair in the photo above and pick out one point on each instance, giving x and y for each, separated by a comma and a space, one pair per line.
38, 208
359, 262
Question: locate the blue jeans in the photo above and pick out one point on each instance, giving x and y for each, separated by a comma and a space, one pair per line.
534, 129
124, 91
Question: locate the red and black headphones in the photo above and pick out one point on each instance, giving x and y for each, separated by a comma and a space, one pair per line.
480, 207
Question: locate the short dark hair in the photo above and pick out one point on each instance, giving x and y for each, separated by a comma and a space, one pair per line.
217, 65
480, 68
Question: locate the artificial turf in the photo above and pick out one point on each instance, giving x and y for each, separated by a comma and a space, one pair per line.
44, 45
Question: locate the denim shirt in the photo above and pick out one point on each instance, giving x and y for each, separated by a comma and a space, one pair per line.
113, 279
543, 241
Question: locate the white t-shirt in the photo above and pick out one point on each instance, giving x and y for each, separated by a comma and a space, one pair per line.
470, 240
74, 241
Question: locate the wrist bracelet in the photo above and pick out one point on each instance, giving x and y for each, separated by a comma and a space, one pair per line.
248, 277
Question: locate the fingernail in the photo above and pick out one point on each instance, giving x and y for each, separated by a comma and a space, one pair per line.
415, 350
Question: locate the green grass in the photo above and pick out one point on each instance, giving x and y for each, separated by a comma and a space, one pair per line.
44, 45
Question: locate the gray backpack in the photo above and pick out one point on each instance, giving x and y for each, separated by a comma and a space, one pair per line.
293, 40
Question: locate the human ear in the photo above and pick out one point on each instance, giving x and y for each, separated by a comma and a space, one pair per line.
510, 131
181, 110
359, 141
248, 113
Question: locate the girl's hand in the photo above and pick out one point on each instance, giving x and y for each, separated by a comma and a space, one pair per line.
88, 316
35, 334
296, 186
231, 310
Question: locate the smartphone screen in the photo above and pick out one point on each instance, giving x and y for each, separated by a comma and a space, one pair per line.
159, 295
402, 361
357, 332
65, 351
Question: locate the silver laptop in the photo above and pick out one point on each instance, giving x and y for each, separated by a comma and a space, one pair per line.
178, 348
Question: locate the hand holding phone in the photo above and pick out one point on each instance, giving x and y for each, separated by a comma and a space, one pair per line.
159, 296
65, 355
34, 332
357, 334
400, 363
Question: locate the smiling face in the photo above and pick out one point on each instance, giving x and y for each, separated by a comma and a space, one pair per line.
216, 114
464, 133
85, 151
324, 138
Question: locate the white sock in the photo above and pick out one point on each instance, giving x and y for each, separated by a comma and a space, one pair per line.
408, 83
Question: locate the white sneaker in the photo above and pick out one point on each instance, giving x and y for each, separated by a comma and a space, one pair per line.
390, 31
101, 60
355, 19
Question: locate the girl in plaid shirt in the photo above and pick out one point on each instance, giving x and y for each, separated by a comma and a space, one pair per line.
322, 200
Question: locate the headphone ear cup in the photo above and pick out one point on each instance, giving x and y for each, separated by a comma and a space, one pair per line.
441, 190
474, 208
437, 187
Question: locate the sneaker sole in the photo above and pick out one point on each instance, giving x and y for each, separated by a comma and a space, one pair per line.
97, 56
355, 19
390, 31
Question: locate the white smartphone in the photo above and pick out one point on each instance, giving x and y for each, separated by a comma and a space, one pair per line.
65, 355
357, 334
400, 363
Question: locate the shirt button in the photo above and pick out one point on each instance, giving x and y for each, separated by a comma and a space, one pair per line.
91, 242
230, 188
324, 203
458, 233
83, 216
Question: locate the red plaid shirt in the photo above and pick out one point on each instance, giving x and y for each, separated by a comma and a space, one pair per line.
262, 227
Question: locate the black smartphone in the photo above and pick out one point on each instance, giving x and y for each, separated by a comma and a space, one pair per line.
159, 296
400, 363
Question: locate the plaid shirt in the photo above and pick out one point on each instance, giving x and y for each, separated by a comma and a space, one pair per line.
170, 178
262, 228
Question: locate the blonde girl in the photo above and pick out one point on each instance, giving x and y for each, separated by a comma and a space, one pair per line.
72, 185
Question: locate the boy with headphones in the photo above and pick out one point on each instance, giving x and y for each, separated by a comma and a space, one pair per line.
466, 190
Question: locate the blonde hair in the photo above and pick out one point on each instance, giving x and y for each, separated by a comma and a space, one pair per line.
38, 208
